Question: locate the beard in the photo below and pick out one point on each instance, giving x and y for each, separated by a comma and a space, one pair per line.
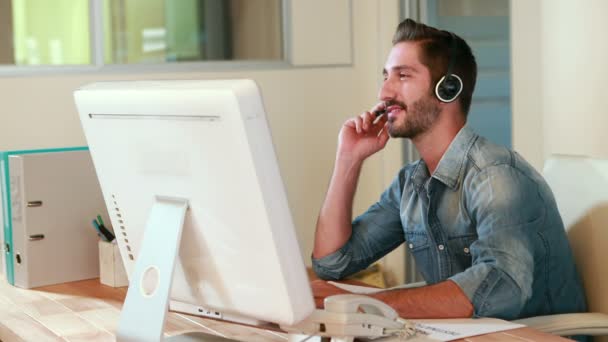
419, 117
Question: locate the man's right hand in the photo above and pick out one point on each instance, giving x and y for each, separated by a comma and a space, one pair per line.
360, 138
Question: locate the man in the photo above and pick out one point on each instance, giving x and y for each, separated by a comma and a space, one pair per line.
481, 223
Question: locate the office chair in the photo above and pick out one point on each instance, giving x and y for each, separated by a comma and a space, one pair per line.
580, 187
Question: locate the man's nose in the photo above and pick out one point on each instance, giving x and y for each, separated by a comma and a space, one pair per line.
387, 91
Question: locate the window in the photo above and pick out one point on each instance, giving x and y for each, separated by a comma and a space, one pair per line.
473, 8
66, 32
39, 32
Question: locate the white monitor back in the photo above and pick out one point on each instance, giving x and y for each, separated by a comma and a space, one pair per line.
207, 142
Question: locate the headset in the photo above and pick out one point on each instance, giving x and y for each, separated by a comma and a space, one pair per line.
450, 85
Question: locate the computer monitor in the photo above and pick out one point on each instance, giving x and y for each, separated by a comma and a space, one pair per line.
198, 156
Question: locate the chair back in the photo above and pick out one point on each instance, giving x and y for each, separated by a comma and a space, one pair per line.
580, 187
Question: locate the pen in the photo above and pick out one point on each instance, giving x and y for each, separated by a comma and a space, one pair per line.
105, 231
108, 234
100, 220
99, 232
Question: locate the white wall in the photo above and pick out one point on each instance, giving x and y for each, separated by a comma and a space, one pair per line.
526, 54
574, 71
306, 107
559, 72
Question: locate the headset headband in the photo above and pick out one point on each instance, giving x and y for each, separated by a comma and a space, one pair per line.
450, 85
451, 55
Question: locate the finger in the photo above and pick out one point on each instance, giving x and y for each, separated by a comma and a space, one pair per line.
383, 136
379, 124
358, 124
367, 121
350, 123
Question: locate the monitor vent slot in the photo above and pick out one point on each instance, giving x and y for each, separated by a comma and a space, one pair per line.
121, 232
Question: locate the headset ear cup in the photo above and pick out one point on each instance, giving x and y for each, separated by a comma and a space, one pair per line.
448, 89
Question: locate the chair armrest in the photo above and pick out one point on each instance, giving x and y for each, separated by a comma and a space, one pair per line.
594, 324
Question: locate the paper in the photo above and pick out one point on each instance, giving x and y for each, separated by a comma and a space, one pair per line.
453, 329
355, 288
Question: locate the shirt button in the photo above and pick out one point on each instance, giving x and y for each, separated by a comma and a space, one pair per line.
440, 247
466, 250
411, 245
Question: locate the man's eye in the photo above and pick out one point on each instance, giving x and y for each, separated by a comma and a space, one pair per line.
402, 76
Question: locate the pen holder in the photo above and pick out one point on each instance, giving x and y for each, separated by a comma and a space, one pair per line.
111, 269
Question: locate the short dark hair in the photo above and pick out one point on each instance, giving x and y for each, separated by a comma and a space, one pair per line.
437, 50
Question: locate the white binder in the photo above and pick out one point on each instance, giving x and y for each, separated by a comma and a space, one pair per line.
50, 198
2, 248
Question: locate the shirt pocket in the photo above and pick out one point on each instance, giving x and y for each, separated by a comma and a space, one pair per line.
416, 240
460, 249
418, 244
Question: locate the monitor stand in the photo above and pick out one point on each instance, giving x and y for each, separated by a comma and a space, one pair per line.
145, 309
197, 337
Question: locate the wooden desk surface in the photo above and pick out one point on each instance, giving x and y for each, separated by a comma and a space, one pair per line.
89, 311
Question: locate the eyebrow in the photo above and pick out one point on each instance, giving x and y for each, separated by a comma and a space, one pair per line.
399, 68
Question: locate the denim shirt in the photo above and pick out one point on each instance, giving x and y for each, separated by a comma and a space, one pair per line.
485, 219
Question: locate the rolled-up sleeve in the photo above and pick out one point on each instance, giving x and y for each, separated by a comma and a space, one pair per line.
374, 234
508, 211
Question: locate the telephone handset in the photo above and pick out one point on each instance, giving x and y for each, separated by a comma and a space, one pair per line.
347, 316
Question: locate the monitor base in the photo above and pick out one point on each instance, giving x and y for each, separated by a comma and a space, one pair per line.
197, 337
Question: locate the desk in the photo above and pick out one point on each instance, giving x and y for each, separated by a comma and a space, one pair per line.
88, 311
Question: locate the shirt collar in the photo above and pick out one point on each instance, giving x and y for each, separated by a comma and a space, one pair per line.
450, 169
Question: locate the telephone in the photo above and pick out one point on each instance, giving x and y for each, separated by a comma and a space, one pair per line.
348, 316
